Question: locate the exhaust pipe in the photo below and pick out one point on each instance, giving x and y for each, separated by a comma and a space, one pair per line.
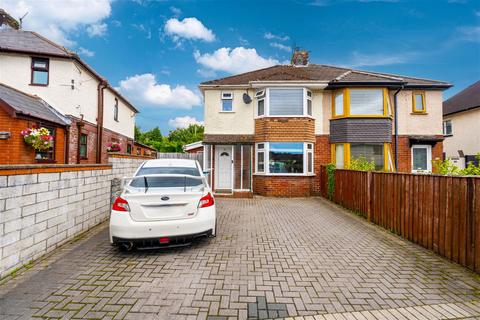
126, 246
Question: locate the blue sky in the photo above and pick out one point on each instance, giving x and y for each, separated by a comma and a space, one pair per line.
157, 52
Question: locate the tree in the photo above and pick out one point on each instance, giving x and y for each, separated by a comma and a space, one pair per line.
175, 140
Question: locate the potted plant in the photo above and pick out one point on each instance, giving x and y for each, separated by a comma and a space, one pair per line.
39, 139
114, 147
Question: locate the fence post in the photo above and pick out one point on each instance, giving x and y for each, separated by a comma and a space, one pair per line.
369, 195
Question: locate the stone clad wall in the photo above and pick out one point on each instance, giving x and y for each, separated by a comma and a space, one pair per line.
42, 207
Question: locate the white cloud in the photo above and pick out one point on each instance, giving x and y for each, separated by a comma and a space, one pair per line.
281, 46
471, 34
144, 89
235, 60
58, 20
188, 28
206, 73
176, 11
271, 36
97, 30
183, 122
379, 59
85, 52
141, 27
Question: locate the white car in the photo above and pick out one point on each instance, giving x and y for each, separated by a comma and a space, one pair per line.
167, 203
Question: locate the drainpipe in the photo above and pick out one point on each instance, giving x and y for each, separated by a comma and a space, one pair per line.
395, 110
101, 86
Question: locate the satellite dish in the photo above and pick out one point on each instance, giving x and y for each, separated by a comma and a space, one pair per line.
246, 98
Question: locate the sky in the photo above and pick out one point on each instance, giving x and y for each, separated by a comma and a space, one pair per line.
157, 52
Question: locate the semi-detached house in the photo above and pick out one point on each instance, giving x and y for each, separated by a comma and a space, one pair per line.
268, 131
46, 85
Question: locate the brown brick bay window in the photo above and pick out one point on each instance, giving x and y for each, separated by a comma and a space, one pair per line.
40, 71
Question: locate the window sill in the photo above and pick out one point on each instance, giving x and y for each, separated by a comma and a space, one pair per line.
38, 85
226, 111
285, 174
366, 116
419, 113
447, 135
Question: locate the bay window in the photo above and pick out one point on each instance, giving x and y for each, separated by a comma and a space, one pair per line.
284, 158
360, 102
378, 153
284, 102
366, 102
369, 152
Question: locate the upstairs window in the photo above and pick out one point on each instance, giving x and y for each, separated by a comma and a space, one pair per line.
260, 95
309, 103
115, 110
360, 102
447, 128
366, 102
40, 68
227, 101
338, 104
418, 103
286, 102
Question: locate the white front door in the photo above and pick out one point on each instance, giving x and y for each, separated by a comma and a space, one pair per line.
421, 158
223, 167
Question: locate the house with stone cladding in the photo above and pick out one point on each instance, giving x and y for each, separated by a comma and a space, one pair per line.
42, 82
268, 131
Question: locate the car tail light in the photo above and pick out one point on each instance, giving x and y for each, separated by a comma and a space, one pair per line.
206, 201
120, 204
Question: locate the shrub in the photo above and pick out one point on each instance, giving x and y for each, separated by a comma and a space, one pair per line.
447, 167
361, 164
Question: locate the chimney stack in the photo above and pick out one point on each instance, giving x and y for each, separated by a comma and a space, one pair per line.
299, 58
8, 20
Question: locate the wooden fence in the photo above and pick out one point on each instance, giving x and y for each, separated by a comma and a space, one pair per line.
173, 155
440, 213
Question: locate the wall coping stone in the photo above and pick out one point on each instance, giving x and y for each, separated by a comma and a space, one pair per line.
48, 168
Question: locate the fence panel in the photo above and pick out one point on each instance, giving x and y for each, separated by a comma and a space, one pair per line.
173, 155
440, 213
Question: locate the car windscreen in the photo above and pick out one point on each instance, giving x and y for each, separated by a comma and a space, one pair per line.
166, 182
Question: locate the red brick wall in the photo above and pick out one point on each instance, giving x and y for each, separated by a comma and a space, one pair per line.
90, 130
322, 156
283, 186
15, 151
405, 153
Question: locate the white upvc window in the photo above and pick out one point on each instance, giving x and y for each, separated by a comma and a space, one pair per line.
227, 101
261, 97
421, 158
284, 102
260, 158
447, 128
284, 158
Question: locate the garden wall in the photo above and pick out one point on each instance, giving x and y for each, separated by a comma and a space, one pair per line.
43, 206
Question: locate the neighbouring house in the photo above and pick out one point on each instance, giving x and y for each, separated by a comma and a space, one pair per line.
195, 147
19, 111
38, 72
143, 150
268, 131
461, 121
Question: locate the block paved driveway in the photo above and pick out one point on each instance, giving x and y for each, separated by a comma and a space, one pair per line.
272, 258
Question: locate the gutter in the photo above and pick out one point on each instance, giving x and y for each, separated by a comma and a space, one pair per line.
101, 86
395, 110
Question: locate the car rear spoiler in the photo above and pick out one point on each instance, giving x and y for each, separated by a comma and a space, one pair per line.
146, 176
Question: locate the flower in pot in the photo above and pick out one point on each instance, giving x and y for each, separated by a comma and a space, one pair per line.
114, 147
39, 139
